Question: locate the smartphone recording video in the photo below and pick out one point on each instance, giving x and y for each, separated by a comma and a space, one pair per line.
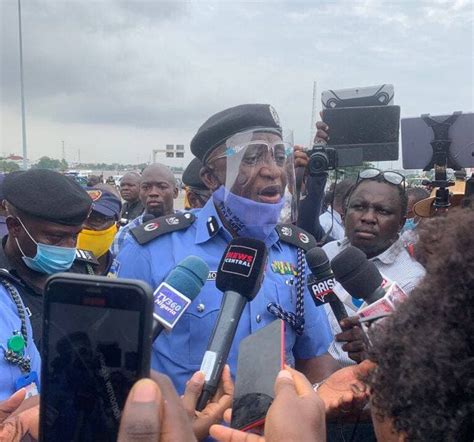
96, 344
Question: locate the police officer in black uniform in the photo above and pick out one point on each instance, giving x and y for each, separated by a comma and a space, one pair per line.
45, 213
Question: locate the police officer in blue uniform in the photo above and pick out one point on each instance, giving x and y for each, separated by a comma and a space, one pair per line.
20, 362
45, 213
250, 172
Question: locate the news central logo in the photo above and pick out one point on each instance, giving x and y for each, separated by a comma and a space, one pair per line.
239, 260
169, 304
322, 289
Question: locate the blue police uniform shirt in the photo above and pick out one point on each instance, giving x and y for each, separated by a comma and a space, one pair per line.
179, 353
10, 321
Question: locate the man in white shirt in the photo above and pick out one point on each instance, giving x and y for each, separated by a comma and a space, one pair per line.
331, 220
374, 214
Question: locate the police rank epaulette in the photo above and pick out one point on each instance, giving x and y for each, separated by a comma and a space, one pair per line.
150, 230
86, 256
296, 236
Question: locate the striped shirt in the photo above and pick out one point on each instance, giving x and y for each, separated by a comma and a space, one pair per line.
123, 233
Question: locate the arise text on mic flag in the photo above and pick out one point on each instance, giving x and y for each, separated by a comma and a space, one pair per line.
321, 282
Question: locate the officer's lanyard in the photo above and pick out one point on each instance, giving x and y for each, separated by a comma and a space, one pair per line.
15, 351
294, 320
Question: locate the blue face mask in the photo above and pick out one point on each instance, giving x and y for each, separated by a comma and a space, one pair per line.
247, 217
48, 259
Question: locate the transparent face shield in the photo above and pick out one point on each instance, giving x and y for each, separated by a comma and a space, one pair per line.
259, 167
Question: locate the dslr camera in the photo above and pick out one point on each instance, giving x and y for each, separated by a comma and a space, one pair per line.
321, 159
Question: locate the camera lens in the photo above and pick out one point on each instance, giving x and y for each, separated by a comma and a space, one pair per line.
318, 162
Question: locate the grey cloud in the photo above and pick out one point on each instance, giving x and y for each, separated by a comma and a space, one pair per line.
83, 60
170, 65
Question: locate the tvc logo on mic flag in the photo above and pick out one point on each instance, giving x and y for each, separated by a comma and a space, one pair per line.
169, 304
239, 260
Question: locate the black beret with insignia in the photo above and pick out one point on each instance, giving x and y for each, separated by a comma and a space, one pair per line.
231, 121
191, 176
47, 195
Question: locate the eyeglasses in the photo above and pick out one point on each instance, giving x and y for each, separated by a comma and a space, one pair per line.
394, 178
255, 152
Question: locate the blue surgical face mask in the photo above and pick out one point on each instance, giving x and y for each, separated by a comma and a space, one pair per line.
247, 217
48, 259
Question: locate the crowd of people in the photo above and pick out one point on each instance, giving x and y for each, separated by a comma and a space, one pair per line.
412, 378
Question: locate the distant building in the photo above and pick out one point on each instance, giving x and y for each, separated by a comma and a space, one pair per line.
173, 155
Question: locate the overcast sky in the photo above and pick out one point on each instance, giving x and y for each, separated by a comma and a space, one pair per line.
117, 79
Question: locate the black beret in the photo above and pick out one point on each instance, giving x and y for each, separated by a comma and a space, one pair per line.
191, 176
230, 122
47, 195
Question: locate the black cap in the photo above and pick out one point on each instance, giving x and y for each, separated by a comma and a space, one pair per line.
191, 175
231, 121
47, 195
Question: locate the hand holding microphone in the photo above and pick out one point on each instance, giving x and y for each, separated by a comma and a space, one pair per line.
353, 338
239, 276
361, 278
214, 411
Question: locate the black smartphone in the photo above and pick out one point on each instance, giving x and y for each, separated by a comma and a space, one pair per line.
96, 344
261, 357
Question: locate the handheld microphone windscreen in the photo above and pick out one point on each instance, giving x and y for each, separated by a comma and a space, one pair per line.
359, 276
242, 267
189, 276
318, 262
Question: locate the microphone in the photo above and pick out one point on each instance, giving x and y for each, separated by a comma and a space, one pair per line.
174, 295
321, 282
239, 276
359, 276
